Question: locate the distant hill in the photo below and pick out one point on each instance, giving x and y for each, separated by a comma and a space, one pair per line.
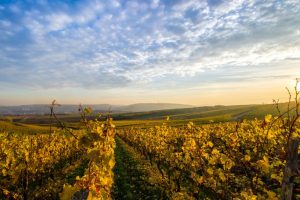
145, 107
42, 109
207, 113
180, 116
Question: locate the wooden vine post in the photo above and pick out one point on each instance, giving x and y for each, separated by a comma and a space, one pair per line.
290, 171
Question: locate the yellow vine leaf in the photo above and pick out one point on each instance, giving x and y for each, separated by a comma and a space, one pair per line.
268, 118
210, 171
68, 192
247, 158
210, 144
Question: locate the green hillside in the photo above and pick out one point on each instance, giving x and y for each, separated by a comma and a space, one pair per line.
209, 112
19, 128
198, 115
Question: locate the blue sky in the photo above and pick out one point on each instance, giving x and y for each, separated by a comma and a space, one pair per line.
129, 51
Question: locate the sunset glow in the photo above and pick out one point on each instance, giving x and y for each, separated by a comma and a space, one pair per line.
192, 52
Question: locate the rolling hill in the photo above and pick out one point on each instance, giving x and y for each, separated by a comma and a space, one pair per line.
235, 112
198, 115
42, 109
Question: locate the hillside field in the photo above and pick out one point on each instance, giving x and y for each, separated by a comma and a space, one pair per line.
190, 153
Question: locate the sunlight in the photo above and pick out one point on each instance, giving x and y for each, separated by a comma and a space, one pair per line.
292, 85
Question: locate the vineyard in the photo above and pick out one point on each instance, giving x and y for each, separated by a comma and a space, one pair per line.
219, 161
158, 100
248, 159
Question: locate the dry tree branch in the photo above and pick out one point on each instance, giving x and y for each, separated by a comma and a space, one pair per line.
60, 123
291, 166
289, 103
83, 116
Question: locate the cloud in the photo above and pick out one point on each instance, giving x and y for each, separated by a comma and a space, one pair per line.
114, 44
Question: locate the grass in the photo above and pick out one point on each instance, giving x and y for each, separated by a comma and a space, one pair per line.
198, 115
19, 128
135, 178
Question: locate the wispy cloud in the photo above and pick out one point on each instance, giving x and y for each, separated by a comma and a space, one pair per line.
114, 44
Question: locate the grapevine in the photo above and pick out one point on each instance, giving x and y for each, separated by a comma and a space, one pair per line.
242, 160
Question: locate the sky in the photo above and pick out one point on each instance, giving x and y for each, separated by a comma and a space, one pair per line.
137, 51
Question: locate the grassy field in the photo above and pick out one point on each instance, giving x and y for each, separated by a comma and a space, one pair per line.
235, 112
19, 128
198, 115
